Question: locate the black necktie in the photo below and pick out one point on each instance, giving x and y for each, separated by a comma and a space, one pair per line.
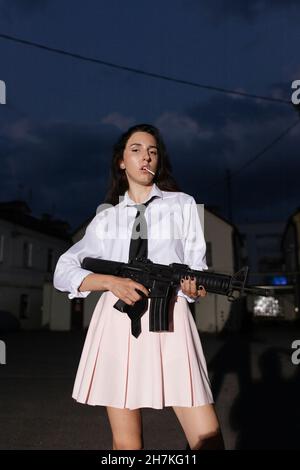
138, 249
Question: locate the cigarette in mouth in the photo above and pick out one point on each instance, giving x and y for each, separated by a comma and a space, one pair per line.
152, 173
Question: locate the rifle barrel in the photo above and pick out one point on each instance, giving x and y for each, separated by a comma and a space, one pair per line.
256, 291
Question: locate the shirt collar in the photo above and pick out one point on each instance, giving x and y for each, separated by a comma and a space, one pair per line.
155, 191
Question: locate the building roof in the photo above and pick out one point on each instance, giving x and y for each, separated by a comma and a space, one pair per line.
19, 213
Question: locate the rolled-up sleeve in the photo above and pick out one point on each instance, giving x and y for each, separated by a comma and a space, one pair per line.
68, 274
194, 242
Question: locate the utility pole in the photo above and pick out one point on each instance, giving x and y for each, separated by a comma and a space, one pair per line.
229, 194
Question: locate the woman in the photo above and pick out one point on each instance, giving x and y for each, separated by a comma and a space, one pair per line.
153, 369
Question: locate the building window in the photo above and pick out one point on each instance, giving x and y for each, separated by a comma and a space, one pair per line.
27, 255
1, 248
23, 307
49, 260
208, 254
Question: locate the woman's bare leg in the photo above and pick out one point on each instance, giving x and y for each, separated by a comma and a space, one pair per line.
127, 428
201, 426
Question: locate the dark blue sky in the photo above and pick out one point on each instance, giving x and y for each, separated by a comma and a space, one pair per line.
63, 115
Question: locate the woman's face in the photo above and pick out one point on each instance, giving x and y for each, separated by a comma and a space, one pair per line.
140, 151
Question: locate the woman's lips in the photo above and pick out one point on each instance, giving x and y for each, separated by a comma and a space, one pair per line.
146, 169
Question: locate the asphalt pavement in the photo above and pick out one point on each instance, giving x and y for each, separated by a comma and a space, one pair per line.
255, 384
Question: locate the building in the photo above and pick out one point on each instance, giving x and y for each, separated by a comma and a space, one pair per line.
29, 250
273, 256
290, 246
263, 250
224, 254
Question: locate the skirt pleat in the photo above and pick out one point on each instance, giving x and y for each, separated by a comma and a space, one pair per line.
155, 370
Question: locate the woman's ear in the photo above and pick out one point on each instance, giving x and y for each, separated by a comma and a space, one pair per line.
122, 166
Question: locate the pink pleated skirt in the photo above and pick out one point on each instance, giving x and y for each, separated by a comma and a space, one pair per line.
155, 370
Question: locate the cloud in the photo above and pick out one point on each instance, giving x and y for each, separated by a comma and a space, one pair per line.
67, 164
10, 10
237, 130
64, 164
20, 130
246, 9
182, 128
23, 5
118, 120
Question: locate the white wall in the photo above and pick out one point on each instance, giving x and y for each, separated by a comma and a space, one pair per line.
212, 312
60, 313
10, 302
16, 279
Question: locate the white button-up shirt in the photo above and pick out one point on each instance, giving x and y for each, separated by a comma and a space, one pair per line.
174, 229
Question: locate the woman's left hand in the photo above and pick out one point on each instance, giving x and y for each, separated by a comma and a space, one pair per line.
188, 287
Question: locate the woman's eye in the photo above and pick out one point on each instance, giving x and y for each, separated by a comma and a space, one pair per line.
135, 150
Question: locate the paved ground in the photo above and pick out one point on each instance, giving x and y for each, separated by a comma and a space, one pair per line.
255, 385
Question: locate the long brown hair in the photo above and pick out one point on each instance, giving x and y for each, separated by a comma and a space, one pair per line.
118, 183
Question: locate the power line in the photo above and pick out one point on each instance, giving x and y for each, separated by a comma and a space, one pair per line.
257, 155
143, 72
171, 79
266, 148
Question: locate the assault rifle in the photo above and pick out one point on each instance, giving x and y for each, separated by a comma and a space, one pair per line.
162, 280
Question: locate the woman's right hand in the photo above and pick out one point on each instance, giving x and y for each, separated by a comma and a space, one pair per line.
125, 289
